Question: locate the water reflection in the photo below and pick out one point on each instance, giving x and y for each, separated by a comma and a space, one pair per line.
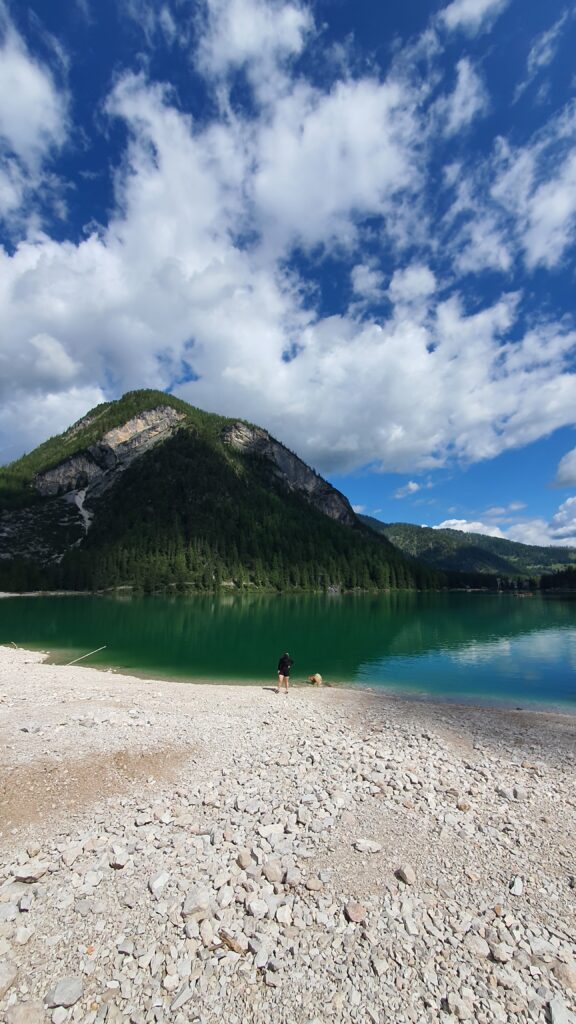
537, 666
451, 644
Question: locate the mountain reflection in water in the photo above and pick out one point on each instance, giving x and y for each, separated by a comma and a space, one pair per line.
460, 646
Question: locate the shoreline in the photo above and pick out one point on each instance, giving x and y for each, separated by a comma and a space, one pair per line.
217, 847
379, 692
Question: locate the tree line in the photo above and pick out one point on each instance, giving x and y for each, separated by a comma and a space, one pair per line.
194, 515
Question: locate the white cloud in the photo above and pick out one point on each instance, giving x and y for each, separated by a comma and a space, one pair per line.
366, 281
359, 509
351, 152
190, 277
563, 526
559, 532
32, 111
41, 414
551, 216
536, 186
244, 32
502, 512
12, 187
165, 290
481, 245
469, 99
472, 16
410, 488
519, 203
544, 48
412, 284
33, 120
542, 53
465, 526
566, 472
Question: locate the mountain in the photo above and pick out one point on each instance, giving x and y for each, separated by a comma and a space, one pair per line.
455, 551
152, 493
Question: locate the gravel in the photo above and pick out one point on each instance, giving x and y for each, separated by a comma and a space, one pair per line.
208, 853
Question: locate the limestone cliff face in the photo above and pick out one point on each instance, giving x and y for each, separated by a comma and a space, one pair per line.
294, 474
97, 467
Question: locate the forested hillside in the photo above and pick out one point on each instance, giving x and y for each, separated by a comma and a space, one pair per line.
455, 551
192, 511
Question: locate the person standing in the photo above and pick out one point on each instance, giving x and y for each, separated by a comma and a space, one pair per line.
284, 666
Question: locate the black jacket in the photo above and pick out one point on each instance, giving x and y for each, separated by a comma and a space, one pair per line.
284, 665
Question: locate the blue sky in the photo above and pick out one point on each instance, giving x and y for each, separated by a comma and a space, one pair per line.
353, 223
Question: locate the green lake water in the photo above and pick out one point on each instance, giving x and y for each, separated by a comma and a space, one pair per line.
471, 647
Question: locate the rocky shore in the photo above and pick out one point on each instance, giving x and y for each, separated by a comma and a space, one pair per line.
221, 853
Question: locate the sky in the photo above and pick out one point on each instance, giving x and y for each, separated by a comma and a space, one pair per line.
350, 222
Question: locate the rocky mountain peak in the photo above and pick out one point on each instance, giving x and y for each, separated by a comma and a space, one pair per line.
291, 471
116, 449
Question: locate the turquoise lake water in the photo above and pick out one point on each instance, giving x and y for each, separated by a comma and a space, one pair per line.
471, 647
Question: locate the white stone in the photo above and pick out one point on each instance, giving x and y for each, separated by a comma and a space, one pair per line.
26, 1013
118, 858
367, 846
284, 914
273, 871
558, 1011
257, 908
477, 945
30, 872
8, 975
157, 883
197, 901
66, 993
70, 854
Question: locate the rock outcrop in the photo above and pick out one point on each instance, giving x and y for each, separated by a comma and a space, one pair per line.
114, 452
63, 501
294, 474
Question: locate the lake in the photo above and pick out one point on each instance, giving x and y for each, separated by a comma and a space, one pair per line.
452, 646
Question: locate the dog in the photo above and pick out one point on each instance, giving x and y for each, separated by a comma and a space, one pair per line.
316, 679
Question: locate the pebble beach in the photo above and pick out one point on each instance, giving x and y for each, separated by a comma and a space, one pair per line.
208, 853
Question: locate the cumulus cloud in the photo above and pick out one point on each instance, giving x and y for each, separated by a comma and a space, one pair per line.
517, 204
33, 117
481, 245
551, 216
42, 414
258, 35
412, 284
352, 152
566, 472
165, 293
32, 111
192, 284
367, 281
467, 526
536, 184
563, 526
560, 531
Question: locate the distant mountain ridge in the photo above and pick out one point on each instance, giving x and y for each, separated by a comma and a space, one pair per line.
455, 551
152, 493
